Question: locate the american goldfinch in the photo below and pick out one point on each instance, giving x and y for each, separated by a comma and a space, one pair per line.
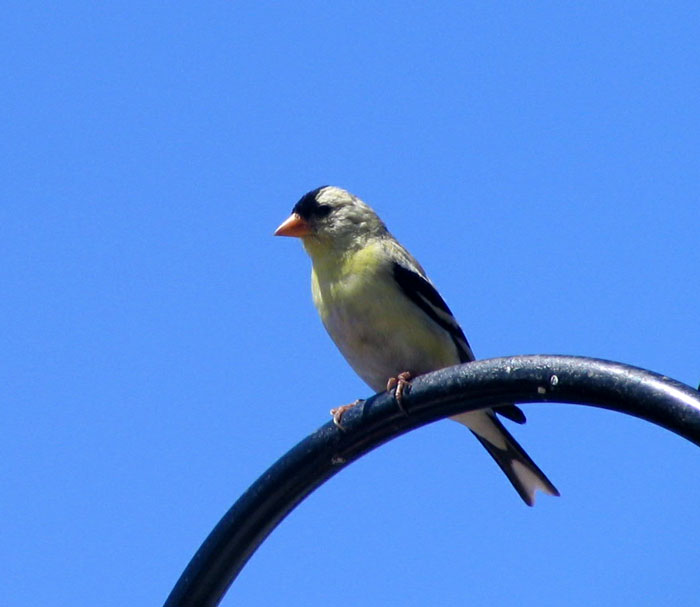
387, 318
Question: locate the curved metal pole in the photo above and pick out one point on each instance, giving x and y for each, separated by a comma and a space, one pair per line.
475, 385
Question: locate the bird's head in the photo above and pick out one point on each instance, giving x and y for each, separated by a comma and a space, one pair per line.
331, 217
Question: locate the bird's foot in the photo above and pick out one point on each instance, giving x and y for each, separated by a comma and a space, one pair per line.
398, 385
337, 413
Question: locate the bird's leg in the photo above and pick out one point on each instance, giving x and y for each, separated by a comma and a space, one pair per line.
398, 384
337, 413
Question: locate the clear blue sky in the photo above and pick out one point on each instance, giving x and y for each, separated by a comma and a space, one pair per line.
160, 349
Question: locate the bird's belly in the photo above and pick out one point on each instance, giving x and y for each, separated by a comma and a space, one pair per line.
381, 337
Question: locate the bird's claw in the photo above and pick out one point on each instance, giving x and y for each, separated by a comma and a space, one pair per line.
337, 413
399, 384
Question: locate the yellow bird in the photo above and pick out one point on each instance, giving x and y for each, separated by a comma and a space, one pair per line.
389, 321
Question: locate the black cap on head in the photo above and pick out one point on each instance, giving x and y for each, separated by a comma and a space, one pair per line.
308, 207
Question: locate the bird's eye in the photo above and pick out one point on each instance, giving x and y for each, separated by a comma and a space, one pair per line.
322, 210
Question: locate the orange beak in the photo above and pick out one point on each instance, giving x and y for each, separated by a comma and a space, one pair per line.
294, 225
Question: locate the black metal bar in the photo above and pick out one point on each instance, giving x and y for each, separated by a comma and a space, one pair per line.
475, 385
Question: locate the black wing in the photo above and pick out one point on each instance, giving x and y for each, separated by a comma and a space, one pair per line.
426, 297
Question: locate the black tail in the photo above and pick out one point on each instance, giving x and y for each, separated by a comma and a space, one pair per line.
517, 465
